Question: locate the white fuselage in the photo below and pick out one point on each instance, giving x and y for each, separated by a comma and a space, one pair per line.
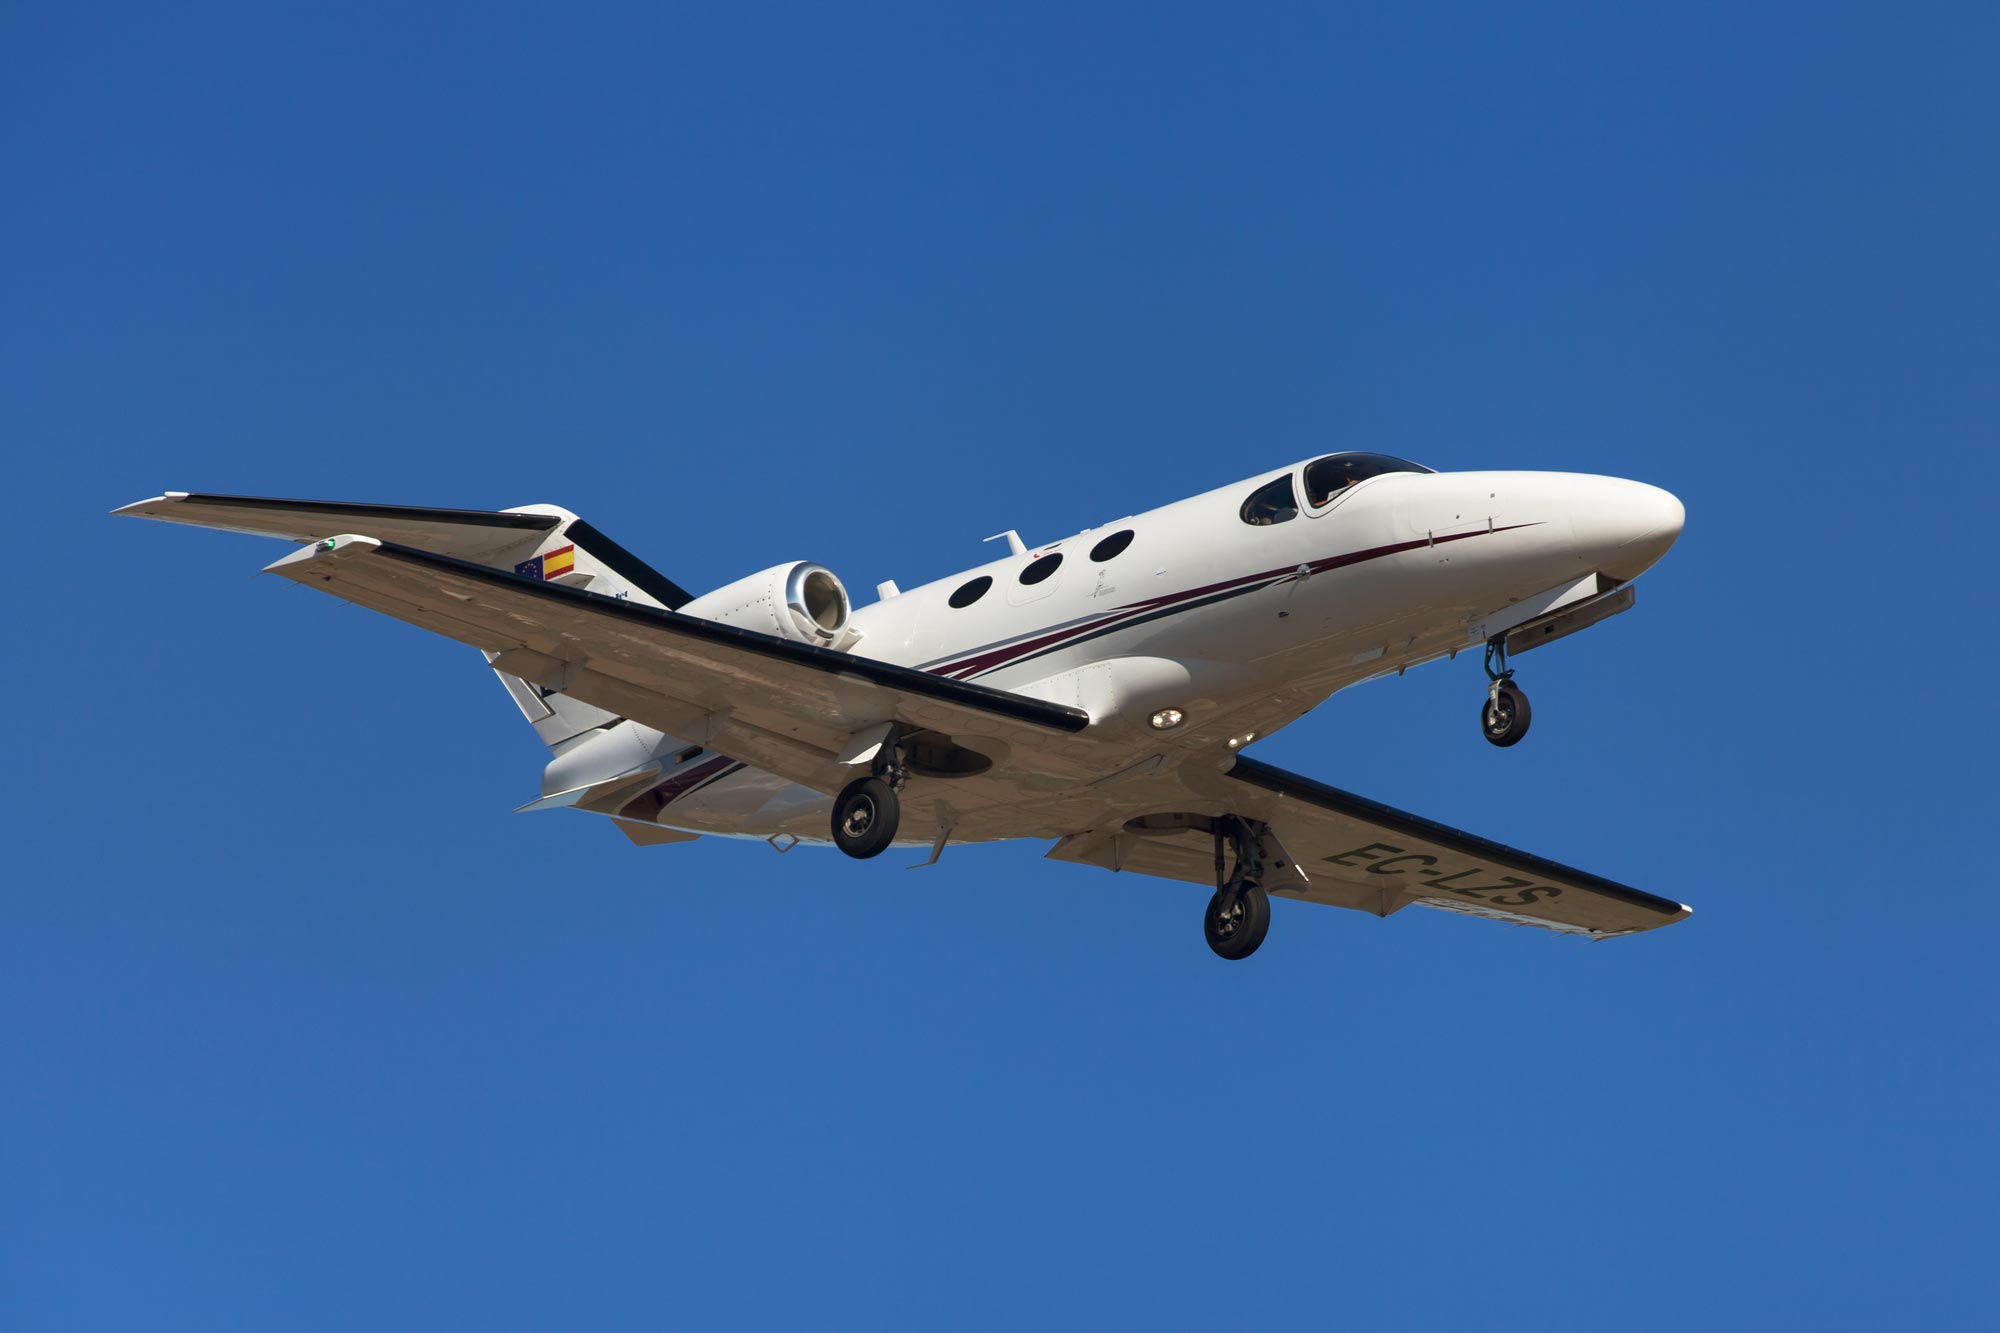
1239, 627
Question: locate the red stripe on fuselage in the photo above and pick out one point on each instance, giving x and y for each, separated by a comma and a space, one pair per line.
992, 659
680, 784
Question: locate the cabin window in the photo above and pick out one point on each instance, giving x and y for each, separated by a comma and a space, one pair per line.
1111, 546
1038, 570
1329, 476
1273, 502
970, 592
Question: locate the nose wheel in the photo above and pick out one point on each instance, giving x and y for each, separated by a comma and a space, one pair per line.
1504, 717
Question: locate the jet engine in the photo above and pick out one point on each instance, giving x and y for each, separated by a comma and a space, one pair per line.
801, 601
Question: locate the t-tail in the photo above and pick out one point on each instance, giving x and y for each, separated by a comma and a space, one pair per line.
545, 542
577, 555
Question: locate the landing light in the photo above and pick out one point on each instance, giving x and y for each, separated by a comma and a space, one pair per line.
1167, 719
1236, 742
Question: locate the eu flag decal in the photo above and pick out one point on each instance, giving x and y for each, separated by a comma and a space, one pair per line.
550, 564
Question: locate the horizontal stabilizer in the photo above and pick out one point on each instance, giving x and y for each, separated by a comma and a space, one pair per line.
520, 539
469, 534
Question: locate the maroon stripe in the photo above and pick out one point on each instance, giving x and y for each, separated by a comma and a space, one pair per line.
1006, 652
1145, 610
656, 798
994, 658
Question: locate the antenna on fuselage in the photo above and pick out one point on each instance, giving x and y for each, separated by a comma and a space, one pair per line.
1014, 542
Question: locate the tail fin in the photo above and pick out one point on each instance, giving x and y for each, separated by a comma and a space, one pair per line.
555, 716
576, 554
537, 541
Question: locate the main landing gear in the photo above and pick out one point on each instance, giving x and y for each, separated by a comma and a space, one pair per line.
866, 812
1504, 717
1240, 912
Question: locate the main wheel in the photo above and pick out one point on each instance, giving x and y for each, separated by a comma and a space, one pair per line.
1504, 717
865, 816
1235, 923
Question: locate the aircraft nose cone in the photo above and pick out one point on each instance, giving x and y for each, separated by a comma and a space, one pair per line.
1628, 525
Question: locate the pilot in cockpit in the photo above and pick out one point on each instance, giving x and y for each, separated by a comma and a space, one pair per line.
1329, 477
1325, 487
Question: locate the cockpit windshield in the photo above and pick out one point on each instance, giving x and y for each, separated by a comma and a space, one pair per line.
1329, 476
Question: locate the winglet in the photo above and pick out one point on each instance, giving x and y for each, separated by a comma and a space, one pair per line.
146, 508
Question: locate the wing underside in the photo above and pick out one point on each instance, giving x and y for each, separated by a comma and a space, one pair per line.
788, 708
1331, 846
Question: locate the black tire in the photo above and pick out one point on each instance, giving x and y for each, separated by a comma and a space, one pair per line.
1236, 932
865, 815
1504, 718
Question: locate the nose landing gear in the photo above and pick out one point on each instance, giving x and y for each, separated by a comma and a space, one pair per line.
1240, 912
1504, 717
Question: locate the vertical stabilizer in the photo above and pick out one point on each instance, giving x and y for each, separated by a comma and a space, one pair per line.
555, 716
544, 542
577, 555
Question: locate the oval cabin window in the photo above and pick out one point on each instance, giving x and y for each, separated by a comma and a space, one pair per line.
1039, 570
1111, 546
1273, 502
971, 592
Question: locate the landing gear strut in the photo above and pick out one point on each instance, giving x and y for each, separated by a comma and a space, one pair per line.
867, 811
1504, 717
1240, 912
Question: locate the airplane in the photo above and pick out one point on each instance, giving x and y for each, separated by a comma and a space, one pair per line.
1098, 691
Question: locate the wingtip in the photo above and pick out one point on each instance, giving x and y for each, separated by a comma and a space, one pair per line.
143, 508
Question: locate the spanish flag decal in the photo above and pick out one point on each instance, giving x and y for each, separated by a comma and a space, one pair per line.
549, 565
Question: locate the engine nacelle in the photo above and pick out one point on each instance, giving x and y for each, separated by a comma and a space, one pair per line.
802, 601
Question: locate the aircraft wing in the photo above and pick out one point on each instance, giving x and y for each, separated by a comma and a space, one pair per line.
1332, 846
789, 708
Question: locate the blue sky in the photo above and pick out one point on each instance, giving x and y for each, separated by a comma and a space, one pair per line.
304, 1030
